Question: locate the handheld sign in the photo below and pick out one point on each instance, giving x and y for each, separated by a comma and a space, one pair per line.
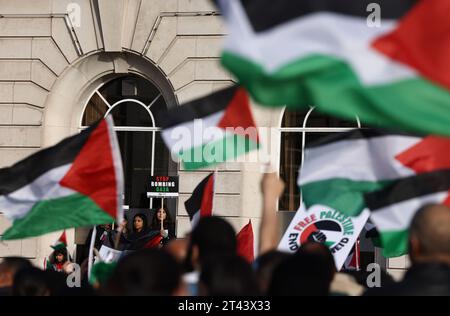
325, 225
163, 186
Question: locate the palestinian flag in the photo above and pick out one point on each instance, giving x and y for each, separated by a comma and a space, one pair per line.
245, 242
353, 260
61, 242
78, 182
392, 174
211, 130
329, 53
200, 204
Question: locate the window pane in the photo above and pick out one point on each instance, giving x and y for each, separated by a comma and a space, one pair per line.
291, 155
95, 110
293, 118
129, 87
136, 150
131, 114
314, 137
317, 119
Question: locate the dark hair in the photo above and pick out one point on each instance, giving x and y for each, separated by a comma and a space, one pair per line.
30, 282
15, 264
144, 220
228, 275
213, 236
156, 223
62, 251
305, 273
266, 264
144, 272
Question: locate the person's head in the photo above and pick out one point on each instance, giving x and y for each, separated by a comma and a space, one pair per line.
60, 255
266, 264
211, 236
429, 234
307, 272
9, 267
178, 249
162, 214
31, 282
322, 251
227, 275
139, 222
145, 272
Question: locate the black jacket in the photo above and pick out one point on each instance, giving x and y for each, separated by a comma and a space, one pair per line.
426, 279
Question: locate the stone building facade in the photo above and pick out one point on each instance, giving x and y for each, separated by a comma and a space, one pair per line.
55, 55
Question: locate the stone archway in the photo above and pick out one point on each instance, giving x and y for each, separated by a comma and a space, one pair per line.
66, 102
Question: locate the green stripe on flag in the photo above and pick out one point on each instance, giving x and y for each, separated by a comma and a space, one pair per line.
75, 210
344, 195
394, 243
332, 86
217, 152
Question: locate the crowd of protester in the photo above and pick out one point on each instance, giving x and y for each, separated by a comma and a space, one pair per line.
206, 263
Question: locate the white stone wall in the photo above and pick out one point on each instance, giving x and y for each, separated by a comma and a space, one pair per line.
50, 63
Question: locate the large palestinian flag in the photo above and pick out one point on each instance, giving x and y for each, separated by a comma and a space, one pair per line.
392, 174
78, 182
200, 204
331, 54
211, 130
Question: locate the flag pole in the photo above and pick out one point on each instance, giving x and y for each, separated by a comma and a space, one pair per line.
91, 251
162, 218
216, 172
357, 255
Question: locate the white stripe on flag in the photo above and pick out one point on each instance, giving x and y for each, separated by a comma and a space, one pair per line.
194, 133
398, 216
352, 159
18, 203
349, 39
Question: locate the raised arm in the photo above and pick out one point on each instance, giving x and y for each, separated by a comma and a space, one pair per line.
272, 187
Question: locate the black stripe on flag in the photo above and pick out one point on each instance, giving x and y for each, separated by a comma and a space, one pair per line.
266, 14
198, 108
409, 188
361, 133
194, 203
32, 167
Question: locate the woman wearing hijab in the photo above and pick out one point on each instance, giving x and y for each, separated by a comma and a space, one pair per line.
141, 233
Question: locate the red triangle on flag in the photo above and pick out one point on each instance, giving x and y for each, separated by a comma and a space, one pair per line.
207, 198
430, 154
93, 173
63, 238
245, 242
238, 114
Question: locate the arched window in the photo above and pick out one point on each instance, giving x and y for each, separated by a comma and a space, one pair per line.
134, 103
299, 128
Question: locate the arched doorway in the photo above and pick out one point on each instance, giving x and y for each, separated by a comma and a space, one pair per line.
133, 103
